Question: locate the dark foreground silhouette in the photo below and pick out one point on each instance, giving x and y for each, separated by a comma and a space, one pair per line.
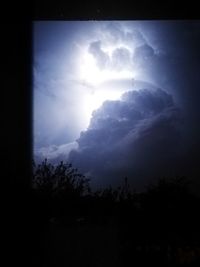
112, 227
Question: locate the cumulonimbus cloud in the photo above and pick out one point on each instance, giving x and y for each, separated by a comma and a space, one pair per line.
124, 136
102, 58
135, 136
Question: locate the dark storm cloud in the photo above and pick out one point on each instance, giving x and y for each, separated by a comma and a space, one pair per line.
139, 135
102, 59
143, 52
122, 135
134, 37
114, 30
175, 66
167, 54
148, 102
121, 58
118, 32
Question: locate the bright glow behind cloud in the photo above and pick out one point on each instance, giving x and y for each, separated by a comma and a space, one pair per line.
90, 73
94, 100
75, 71
93, 78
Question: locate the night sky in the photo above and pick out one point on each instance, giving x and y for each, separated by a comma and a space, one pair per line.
118, 98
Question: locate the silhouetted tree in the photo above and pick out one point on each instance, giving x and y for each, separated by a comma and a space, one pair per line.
60, 179
59, 188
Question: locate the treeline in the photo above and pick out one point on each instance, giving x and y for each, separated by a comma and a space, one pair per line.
159, 225
61, 190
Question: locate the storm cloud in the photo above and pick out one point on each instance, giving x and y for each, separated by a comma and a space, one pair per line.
129, 137
101, 57
117, 32
119, 60
121, 57
145, 134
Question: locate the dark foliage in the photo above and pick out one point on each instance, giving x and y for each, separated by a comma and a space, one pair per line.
60, 179
159, 226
